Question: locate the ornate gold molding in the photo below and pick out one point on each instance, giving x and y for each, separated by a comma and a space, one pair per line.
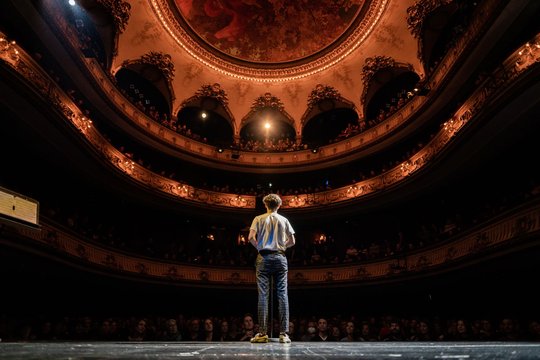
517, 63
261, 160
255, 72
38, 79
518, 227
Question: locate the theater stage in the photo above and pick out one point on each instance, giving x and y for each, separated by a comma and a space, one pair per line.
272, 350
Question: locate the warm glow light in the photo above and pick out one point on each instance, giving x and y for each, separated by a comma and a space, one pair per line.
249, 74
204, 115
267, 125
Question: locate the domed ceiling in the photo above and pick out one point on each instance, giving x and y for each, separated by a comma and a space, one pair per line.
252, 48
271, 31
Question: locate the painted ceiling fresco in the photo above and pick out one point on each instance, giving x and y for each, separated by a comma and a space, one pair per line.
269, 31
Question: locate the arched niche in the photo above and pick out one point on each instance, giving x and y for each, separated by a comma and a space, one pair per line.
143, 84
388, 89
330, 123
206, 119
267, 124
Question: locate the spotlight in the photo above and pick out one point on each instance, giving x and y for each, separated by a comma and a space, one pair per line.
267, 125
71, 2
204, 115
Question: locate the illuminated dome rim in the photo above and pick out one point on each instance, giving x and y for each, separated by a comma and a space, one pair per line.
267, 72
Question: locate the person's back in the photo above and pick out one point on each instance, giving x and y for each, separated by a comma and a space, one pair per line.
271, 234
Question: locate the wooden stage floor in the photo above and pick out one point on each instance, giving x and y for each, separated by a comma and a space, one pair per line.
272, 350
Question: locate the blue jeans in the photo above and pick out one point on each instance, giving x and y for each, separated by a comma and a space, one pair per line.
267, 266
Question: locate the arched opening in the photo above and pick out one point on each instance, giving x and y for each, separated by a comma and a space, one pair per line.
267, 130
144, 94
330, 126
205, 123
389, 90
442, 28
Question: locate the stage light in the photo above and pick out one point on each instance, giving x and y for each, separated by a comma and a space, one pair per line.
220, 150
315, 150
71, 2
204, 115
267, 125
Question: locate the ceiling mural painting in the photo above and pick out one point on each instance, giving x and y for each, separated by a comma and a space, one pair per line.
270, 31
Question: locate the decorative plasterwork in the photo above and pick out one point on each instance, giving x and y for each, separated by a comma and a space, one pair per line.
374, 64
417, 13
322, 92
267, 101
515, 65
276, 72
120, 12
162, 61
518, 227
213, 91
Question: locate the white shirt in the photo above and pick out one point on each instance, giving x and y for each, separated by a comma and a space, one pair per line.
272, 231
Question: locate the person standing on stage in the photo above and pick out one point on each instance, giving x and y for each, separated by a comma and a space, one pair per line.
272, 234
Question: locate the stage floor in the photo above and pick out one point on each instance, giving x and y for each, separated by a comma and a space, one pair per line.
272, 350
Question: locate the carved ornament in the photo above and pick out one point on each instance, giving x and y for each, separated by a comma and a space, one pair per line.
162, 61
120, 12
322, 92
213, 91
374, 64
417, 13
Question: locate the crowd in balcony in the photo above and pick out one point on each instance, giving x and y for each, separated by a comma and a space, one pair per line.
279, 144
219, 245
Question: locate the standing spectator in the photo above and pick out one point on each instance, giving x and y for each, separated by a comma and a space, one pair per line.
271, 234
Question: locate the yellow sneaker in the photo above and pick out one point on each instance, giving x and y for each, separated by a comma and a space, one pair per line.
284, 338
259, 338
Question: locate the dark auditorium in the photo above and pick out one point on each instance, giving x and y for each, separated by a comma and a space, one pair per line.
398, 140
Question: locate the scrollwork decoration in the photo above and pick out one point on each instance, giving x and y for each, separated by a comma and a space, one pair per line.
417, 14
322, 92
213, 91
158, 59
119, 10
